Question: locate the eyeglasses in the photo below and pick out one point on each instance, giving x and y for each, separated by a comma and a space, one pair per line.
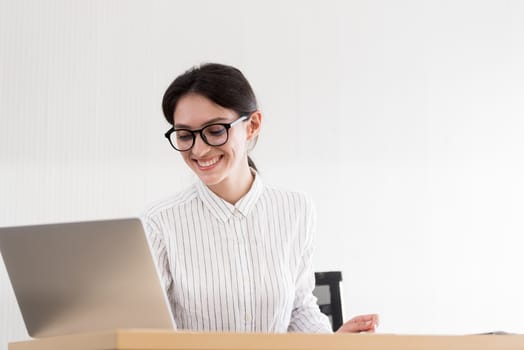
215, 134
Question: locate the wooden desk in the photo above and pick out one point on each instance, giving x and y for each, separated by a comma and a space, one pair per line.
167, 340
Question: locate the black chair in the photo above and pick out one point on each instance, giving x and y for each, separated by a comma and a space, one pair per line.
327, 291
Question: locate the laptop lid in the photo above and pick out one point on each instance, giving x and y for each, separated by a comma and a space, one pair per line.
84, 277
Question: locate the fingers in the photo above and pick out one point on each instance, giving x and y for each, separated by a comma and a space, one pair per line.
362, 323
373, 318
356, 327
364, 326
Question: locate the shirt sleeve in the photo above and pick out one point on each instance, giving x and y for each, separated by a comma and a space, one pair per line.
306, 315
160, 256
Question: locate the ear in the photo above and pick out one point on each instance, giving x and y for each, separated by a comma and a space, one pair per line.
254, 125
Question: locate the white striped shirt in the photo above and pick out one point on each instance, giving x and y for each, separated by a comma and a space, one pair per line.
237, 268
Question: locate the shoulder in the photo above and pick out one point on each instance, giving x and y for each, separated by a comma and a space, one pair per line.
293, 209
291, 196
293, 202
165, 208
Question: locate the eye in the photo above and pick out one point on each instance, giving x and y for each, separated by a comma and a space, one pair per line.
215, 130
183, 136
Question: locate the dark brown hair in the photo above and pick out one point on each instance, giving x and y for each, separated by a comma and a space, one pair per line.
224, 85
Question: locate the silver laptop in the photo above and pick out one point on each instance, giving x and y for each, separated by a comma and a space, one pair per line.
84, 277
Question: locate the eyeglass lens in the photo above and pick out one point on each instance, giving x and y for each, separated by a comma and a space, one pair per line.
213, 135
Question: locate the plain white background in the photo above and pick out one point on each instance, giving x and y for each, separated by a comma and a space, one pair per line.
403, 119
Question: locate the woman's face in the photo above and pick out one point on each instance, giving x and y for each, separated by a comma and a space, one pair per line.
213, 164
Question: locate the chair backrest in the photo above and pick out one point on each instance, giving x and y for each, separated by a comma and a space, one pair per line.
327, 291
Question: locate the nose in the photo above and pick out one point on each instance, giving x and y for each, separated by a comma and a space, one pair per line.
200, 148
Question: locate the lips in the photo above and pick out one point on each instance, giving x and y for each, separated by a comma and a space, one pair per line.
207, 163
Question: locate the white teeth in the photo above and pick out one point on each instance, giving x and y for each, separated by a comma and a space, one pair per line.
208, 163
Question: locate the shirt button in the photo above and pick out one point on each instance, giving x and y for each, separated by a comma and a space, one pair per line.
248, 318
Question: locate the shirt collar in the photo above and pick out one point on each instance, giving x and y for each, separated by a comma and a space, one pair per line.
223, 210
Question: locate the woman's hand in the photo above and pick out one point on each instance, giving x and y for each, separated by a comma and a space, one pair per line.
362, 323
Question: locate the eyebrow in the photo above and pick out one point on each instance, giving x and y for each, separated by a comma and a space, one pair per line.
212, 121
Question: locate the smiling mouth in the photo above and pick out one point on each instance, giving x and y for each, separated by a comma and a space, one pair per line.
208, 163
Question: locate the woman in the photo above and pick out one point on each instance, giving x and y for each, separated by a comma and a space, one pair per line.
234, 253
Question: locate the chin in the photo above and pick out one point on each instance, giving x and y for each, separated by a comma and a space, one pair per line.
210, 179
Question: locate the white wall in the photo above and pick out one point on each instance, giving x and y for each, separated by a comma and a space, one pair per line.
403, 119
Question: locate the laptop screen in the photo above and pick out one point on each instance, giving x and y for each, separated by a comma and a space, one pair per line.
84, 277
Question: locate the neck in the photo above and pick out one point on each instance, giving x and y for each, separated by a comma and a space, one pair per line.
232, 189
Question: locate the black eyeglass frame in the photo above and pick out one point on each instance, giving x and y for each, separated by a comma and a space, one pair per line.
227, 126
